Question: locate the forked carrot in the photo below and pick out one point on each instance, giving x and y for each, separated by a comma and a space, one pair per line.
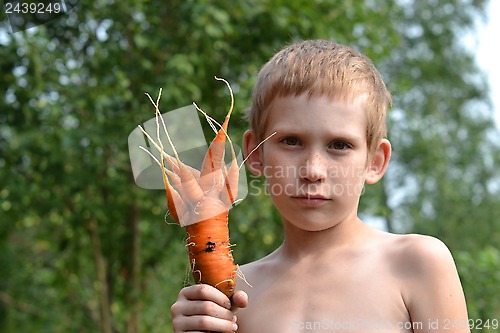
200, 201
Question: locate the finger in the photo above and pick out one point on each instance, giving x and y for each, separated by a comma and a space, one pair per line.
203, 308
239, 300
203, 323
206, 292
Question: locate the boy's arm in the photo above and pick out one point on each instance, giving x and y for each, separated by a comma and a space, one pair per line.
434, 294
204, 308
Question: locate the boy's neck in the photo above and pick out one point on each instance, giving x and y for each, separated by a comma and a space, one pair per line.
299, 244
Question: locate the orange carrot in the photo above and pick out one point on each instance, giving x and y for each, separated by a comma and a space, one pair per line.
210, 253
200, 201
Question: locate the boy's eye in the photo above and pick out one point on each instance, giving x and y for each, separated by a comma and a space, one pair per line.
291, 141
339, 145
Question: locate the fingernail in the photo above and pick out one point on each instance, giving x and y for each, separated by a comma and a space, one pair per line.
235, 327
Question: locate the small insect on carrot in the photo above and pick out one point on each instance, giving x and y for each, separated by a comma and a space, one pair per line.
199, 200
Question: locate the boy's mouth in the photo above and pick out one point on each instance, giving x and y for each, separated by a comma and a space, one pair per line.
311, 199
311, 196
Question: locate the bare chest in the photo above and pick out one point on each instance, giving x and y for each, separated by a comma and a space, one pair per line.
337, 297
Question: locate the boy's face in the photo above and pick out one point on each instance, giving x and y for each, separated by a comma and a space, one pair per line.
317, 162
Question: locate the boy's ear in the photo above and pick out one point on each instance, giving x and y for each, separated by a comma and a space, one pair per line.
254, 158
378, 162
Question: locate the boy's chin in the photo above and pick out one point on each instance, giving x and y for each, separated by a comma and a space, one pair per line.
313, 225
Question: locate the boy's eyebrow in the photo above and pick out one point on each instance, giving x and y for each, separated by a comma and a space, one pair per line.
299, 131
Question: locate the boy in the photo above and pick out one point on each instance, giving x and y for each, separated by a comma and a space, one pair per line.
327, 104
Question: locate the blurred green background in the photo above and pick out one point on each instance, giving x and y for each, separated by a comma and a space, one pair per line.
83, 249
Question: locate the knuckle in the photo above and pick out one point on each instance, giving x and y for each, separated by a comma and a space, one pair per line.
203, 322
204, 291
177, 324
208, 308
203, 288
174, 309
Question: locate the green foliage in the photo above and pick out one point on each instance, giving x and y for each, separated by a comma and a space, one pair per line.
445, 151
480, 272
82, 248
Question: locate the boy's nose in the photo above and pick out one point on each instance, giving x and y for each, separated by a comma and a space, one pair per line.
314, 169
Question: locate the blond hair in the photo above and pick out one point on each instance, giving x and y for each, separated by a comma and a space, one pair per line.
322, 68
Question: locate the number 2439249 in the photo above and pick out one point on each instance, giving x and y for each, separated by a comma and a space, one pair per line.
33, 8
478, 324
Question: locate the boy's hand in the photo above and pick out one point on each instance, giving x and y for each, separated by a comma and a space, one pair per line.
204, 308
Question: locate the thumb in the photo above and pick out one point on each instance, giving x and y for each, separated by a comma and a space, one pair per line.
239, 300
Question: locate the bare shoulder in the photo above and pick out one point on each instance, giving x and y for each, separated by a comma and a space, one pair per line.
260, 270
421, 246
422, 255
257, 265
430, 285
